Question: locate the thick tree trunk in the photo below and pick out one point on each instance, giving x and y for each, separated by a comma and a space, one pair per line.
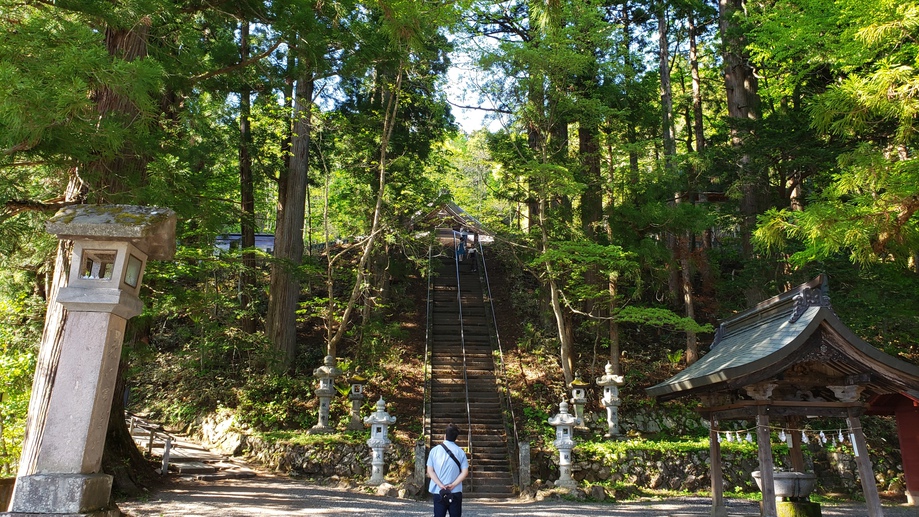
743, 104
246, 194
666, 90
49, 351
592, 198
698, 127
284, 291
614, 352
108, 175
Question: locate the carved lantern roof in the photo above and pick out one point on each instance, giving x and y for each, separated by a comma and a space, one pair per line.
795, 342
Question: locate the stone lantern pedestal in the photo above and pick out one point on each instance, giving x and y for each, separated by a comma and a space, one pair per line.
610, 400
327, 373
379, 423
60, 472
564, 431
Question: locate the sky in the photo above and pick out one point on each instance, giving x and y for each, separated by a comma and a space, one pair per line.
462, 91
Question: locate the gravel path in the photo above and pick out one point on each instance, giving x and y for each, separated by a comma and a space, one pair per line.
269, 496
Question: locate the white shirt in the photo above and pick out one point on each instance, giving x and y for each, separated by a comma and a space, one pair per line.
444, 466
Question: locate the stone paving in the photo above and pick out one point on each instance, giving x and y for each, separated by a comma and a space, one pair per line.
272, 496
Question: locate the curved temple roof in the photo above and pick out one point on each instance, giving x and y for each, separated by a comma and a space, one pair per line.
794, 327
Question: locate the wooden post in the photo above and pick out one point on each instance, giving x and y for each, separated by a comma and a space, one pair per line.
717, 474
166, 448
908, 432
865, 470
797, 456
766, 467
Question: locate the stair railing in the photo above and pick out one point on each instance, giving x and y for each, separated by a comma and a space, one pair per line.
502, 369
459, 301
426, 412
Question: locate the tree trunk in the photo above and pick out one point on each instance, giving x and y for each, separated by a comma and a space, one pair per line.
666, 90
592, 198
692, 341
614, 352
698, 127
742, 100
536, 143
284, 291
49, 351
246, 193
564, 336
108, 174
631, 133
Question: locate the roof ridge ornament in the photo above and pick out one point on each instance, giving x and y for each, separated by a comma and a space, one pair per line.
809, 297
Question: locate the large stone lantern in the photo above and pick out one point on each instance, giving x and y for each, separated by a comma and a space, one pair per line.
610, 400
564, 423
379, 422
75, 379
327, 373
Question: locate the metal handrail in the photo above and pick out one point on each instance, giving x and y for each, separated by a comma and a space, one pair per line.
507, 390
426, 411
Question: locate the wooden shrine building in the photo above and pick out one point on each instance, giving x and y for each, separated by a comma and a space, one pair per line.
791, 357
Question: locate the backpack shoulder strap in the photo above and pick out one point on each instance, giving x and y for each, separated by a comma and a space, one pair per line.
452, 456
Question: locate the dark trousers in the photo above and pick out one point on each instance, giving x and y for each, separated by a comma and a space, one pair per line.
455, 508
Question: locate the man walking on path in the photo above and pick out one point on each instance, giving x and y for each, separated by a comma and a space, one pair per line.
447, 468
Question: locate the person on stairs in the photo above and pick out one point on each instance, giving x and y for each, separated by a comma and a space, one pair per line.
447, 468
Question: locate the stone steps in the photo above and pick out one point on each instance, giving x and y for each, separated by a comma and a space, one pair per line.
490, 470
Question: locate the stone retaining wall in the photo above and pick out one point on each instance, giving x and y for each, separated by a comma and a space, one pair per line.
836, 471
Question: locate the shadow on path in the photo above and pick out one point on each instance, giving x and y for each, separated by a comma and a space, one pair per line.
281, 496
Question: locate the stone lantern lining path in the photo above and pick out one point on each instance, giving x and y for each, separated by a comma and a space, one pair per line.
490, 467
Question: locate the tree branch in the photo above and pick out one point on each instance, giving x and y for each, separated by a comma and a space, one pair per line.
241, 64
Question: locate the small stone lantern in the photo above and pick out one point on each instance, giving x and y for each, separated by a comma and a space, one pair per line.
579, 398
327, 373
60, 473
564, 433
356, 397
379, 422
610, 400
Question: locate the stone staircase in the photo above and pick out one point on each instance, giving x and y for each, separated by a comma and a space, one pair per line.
490, 467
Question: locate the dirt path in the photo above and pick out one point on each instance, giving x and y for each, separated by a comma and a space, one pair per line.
267, 495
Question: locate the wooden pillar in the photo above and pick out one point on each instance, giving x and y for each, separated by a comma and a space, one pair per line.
766, 467
865, 470
795, 452
717, 474
908, 432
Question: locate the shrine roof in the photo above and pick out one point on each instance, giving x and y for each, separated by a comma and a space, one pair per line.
452, 214
764, 340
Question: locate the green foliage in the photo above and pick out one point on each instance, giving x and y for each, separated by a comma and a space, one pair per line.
305, 439
867, 208
22, 313
658, 317
276, 403
614, 450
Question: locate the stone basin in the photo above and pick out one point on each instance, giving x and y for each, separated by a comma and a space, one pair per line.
795, 485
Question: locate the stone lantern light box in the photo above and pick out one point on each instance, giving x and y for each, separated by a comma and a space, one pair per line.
110, 252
